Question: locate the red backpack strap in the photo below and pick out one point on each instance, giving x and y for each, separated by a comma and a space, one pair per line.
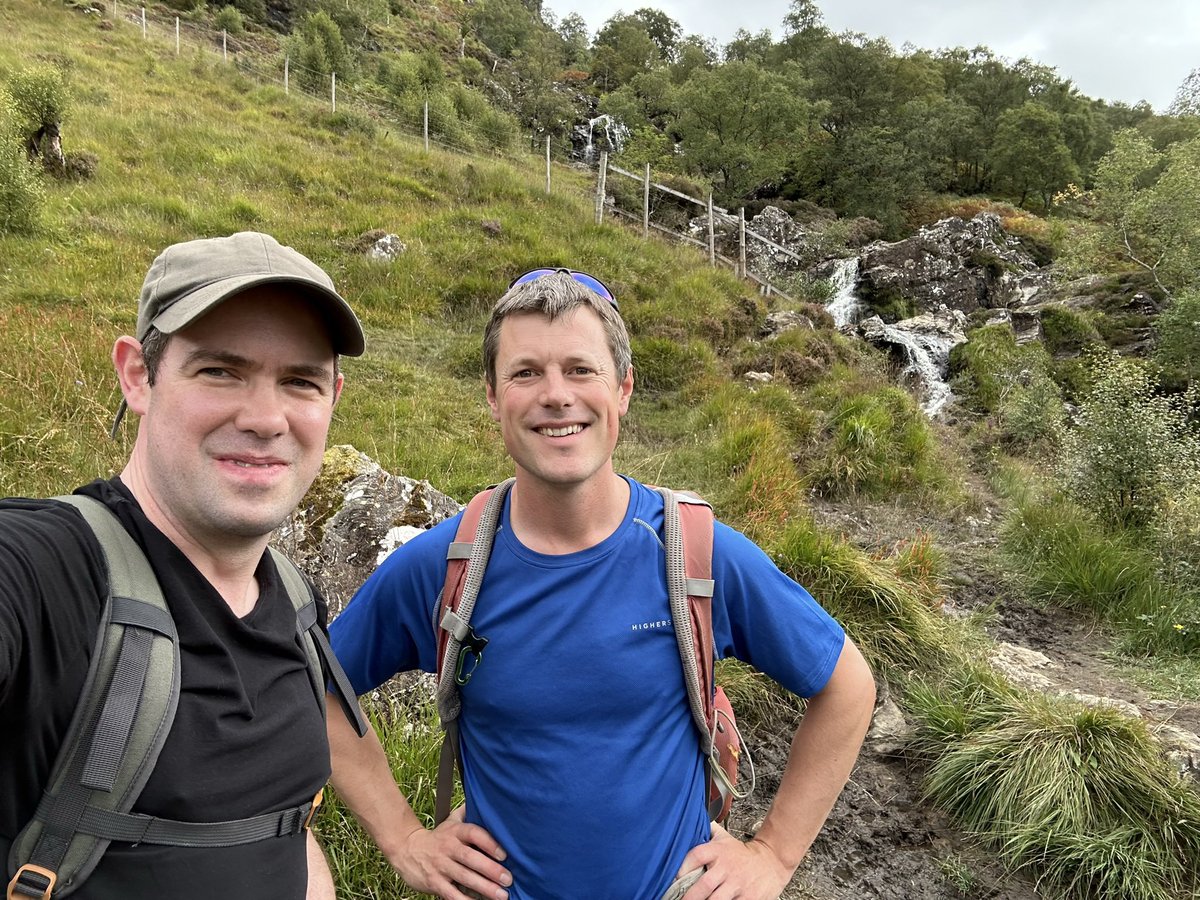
466, 560
457, 558
696, 528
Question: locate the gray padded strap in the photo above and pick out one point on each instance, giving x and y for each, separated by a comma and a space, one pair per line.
135, 828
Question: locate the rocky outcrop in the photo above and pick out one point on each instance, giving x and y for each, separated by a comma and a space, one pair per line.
352, 517
964, 265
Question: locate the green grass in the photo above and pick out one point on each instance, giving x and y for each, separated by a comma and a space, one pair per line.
190, 147
1081, 797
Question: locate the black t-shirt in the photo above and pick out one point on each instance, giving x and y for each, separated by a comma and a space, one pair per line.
248, 736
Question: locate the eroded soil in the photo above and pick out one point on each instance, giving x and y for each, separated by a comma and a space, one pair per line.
883, 840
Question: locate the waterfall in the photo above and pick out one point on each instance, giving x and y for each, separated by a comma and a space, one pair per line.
614, 132
925, 343
844, 306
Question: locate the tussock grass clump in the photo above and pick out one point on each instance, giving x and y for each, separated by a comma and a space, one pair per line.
894, 620
1064, 557
879, 442
1079, 796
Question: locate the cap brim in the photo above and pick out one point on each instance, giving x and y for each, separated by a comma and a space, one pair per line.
345, 332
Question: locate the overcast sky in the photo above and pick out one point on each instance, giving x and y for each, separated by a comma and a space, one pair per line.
1110, 49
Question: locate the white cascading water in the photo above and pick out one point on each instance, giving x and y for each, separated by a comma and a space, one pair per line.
926, 348
927, 358
844, 306
613, 130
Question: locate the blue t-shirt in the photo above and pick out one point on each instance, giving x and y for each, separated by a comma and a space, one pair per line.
579, 752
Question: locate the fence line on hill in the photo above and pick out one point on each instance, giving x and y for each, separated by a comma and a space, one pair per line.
265, 67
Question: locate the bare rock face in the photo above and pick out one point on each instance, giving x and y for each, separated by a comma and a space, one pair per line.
352, 517
965, 265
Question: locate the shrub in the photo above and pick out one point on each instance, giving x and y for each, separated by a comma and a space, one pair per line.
229, 18
1178, 332
40, 96
1130, 448
22, 194
254, 10
320, 50
1067, 331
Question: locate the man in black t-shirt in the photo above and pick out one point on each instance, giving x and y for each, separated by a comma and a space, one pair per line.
234, 374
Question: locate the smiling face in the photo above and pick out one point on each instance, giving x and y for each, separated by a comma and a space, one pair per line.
557, 397
233, 429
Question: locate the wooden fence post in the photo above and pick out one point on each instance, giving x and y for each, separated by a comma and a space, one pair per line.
143, 23
742, 241
646, 204
712, 238
425, 124
287, 60
600, 186
547, 164
224, 45
177, 35
333, 91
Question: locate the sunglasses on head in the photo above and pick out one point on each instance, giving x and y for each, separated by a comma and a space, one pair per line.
593, 284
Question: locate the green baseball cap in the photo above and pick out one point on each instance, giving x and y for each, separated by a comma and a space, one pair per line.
189, 279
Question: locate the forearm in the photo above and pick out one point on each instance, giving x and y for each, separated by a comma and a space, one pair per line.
363, 780
822, 755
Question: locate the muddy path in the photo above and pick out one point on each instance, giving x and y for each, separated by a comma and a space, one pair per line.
883, 841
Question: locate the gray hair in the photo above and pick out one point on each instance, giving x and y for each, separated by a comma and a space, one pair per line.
554, 295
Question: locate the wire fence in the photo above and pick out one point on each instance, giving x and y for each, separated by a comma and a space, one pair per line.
266, 63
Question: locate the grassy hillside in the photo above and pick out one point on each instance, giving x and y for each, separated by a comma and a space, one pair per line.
189, 147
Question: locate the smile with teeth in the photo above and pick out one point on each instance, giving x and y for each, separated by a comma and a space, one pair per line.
241, 464
561, 432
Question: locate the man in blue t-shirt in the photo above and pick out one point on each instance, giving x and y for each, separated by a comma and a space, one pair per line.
581, 766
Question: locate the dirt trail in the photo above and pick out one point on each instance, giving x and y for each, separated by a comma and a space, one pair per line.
883, 842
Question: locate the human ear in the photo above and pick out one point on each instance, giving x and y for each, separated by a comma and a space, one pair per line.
131, 373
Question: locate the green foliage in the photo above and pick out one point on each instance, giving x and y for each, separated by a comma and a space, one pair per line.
407, 724
254, 10
1080, 797
320, 51
229, 18
1066, 331
1031, 155
1130, 448
879, 442
1150, 202
1178, 332
22, 194
662, 364
894, 620
503, 26
738, 123
1067, 558
40, 96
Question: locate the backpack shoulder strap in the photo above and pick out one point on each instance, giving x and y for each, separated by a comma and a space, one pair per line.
321, 658
118, 729
457, 643
120, 724
688, 534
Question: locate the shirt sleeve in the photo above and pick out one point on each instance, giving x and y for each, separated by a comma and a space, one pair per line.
764, 618
387, 627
